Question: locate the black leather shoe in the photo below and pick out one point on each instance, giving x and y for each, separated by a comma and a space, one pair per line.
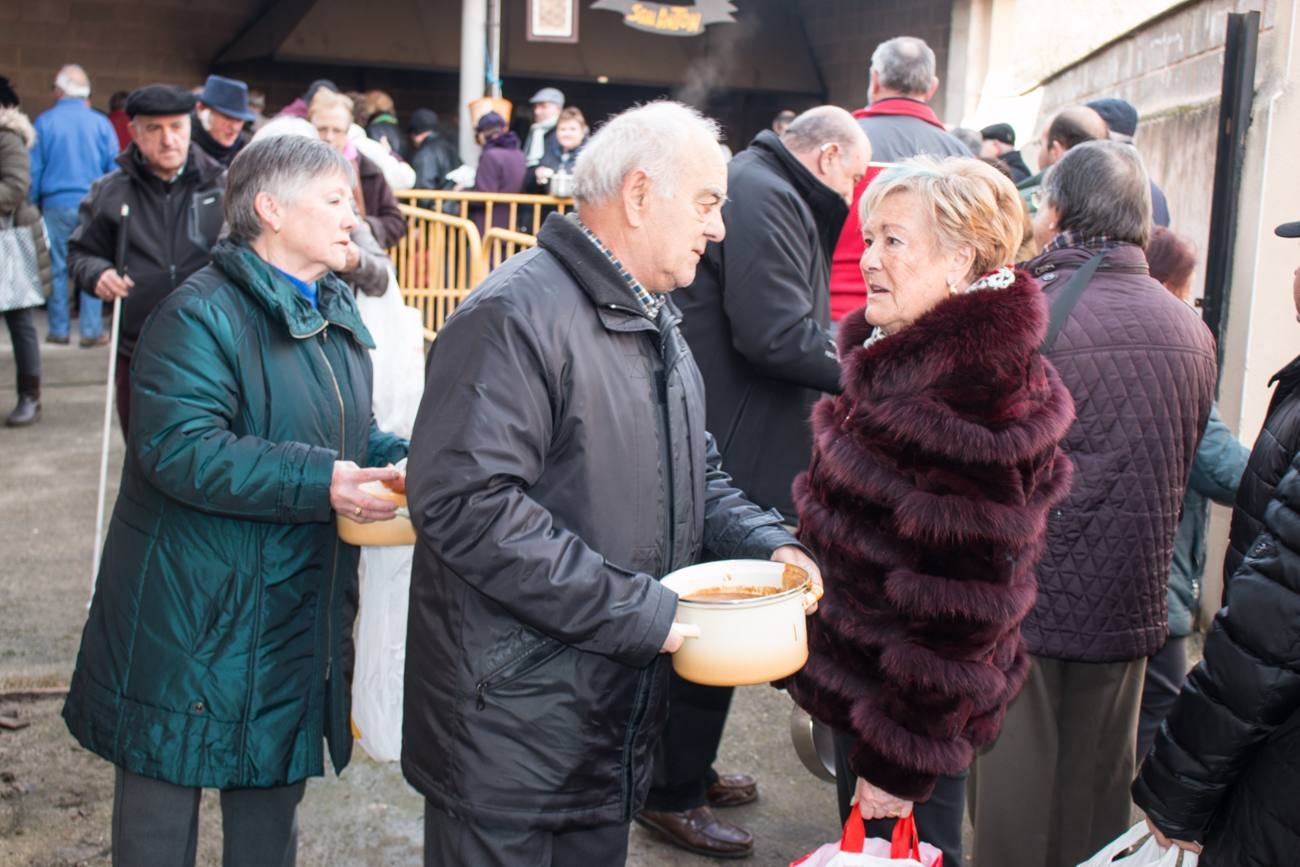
26, 412
732, 790
699, 831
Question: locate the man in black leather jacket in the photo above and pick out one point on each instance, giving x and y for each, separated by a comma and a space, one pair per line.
432, 156
562, 466
1222, 774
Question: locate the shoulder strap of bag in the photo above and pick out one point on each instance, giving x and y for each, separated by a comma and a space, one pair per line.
1065, 299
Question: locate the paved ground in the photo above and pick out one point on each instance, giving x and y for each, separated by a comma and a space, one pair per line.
55, 799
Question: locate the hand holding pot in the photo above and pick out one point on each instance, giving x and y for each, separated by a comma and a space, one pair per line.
796, 557
677, 634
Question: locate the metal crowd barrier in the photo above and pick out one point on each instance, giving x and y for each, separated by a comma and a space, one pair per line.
446, 252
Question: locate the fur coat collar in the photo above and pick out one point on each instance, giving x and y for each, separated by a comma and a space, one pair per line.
15, 121
926, 501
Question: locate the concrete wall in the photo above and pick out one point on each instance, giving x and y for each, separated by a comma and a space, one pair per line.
843, 33
121, 43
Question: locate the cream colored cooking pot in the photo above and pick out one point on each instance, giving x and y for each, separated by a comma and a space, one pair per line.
397, 530
745, 621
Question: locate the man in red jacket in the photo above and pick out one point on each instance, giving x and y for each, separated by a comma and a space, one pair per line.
900, 124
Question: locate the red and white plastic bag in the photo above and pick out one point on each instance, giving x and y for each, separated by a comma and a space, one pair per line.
854, 849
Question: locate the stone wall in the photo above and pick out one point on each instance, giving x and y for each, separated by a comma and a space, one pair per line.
121, 43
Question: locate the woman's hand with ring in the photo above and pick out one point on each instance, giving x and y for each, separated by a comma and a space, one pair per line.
879, 804
347, 498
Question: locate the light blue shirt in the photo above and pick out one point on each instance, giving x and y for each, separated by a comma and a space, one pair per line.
75, 146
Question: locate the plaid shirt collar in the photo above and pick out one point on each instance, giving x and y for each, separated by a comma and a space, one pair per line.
651, 304
1074, 239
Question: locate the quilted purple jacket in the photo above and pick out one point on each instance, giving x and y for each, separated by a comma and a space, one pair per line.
1140, 365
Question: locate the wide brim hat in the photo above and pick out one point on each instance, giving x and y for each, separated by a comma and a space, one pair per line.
227, 96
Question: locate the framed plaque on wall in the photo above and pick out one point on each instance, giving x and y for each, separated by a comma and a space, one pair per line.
552, 21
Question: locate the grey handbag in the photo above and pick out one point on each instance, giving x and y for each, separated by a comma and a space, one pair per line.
20, 271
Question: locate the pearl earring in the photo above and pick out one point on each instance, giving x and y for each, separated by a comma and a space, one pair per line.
952, 287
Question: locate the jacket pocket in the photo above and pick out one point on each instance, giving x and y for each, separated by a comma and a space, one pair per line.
205, 218
516, 668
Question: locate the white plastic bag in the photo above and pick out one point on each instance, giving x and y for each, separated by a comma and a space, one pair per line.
854, 849
381, 651
1149, 854
398, 358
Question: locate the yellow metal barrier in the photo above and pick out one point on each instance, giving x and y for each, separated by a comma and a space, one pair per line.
503, 210
445, 255
500, 244
438, 262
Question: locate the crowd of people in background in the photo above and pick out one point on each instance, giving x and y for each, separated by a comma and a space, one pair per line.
973, 396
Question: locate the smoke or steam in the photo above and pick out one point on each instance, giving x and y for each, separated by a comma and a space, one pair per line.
710, 70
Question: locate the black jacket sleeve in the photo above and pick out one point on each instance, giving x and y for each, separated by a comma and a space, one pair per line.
93, 243
480, 443
766, 297
735, 528
1246, 686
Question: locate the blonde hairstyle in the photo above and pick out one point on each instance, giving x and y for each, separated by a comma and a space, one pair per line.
325, 99
971, 204
573, 113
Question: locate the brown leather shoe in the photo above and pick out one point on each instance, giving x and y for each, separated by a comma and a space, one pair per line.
99, 340
732, 790
700, 831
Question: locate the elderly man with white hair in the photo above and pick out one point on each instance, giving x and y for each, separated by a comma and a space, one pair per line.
560, 465
75, 146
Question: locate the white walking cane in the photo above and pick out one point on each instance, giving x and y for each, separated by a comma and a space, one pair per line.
109, 393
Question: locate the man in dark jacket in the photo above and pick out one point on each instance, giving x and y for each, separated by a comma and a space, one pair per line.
174, 191
1122, 119
900, 124
1000, 144
1267, 463
219, 125
757, 319
432, 156
561, 465
1141, 368
1223, 770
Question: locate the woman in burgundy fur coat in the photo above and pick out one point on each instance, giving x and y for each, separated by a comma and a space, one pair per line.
927, 497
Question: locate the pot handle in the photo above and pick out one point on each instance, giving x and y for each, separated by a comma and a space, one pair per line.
687, 630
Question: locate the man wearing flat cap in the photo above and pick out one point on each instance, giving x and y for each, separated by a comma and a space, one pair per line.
1122, 119
1000, 144
175, 192
220, 118
547, 104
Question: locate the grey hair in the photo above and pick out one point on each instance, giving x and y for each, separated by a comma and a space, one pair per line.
649, 137
1101, 188
821, 125
904, 64
279, 165
73, 81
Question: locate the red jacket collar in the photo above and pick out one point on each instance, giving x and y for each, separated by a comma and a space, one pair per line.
896, 105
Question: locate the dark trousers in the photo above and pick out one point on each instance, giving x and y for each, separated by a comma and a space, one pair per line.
122, 392
1054, 788
453, 842
156, 824
1166, 671
27, 346
938, 820
684, 757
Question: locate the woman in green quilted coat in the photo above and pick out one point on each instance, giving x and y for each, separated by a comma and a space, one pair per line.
218, 650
